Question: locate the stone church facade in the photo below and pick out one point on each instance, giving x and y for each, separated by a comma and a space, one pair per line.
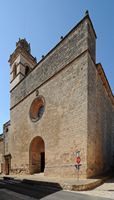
59, 106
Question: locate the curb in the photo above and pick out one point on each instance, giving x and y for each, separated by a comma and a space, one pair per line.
62, 185
89, 186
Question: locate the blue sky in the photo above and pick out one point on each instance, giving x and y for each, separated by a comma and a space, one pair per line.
42, 22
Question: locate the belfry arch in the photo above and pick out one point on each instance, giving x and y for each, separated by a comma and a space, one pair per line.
37, 155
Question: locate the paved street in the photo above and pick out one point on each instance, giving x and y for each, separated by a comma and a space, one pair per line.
9, 195
12, 187
18, 190
61, 195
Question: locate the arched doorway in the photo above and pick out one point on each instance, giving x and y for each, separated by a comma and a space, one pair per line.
37, 155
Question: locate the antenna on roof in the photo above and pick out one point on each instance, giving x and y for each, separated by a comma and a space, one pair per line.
61, 38
86, 12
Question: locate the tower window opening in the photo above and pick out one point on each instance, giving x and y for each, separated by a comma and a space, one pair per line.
14, 71
27, 70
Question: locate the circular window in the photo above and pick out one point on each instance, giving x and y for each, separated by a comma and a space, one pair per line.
37, 109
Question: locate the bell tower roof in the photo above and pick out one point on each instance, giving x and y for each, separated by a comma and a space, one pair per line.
23, 48
22, 43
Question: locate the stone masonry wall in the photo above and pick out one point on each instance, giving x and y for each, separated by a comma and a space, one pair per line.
63, 126
62, 79
76, 42
1, 154
100, 130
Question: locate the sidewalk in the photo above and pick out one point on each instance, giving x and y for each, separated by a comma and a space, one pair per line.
105, 190
63, 183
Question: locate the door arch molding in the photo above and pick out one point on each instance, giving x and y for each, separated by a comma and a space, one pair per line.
37, 155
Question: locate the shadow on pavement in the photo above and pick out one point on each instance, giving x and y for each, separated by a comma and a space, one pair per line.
36, 189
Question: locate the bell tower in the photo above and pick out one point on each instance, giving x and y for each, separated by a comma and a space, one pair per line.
21, 62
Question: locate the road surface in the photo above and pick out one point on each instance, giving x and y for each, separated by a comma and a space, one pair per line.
18, 190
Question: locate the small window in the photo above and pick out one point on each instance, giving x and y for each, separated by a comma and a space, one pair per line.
40, 111
27, 70
14, 71
6, 129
